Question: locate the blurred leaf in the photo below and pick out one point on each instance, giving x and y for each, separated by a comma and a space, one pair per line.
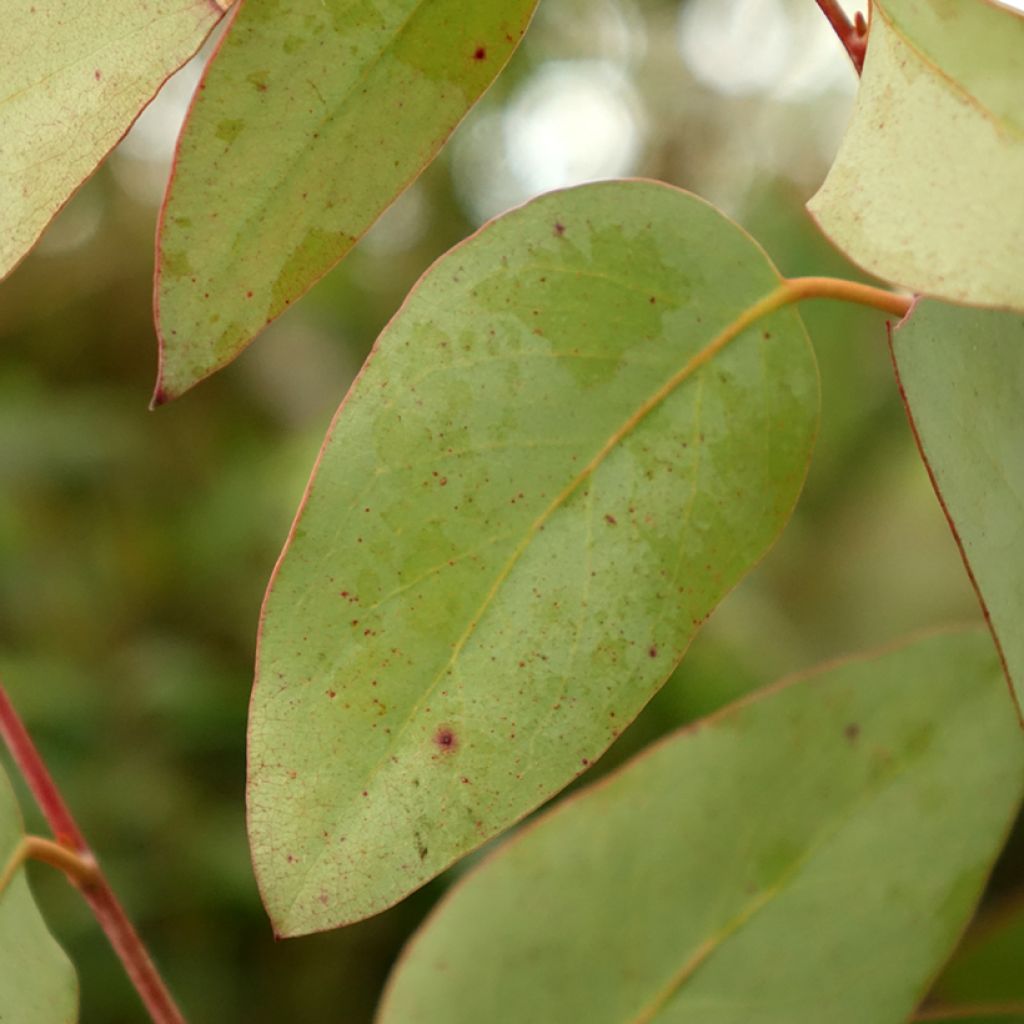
808, 855
961, 372
310, 120
926, 190
37, 982
989, 966
75, 74
538, 489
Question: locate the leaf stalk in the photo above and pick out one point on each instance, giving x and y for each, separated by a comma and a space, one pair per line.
72, 854
853, 35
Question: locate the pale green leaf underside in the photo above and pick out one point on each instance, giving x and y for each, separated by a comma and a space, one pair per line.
311, 119
809, 855
73, 76
499, 559
926, 189
37, 982
962, 376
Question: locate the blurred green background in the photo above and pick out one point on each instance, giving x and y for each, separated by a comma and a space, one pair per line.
135, 547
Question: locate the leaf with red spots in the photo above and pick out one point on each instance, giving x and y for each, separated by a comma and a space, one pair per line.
73, 77
961, 374
310, 121
763, 865
515, 629
37, 982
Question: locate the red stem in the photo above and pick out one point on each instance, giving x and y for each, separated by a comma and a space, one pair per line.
97, 892
853, 35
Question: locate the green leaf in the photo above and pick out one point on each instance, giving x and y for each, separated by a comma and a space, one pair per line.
530, 500
961, 373
926, 189
37, 982
986, 970
310, 121
74, 75
808, 855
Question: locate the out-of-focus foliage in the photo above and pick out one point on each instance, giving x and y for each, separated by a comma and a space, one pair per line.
135, 547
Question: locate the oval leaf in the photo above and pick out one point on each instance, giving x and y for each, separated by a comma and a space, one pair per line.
926, 189
38, 985
310, 121
530, 500
808, 855
961, 374
74, 75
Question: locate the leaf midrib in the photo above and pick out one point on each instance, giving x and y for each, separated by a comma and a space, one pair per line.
762, 307
709, 946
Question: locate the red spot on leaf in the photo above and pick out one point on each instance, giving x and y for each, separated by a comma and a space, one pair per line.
97, 74
446, 739
652, 651
559, 228
480, 53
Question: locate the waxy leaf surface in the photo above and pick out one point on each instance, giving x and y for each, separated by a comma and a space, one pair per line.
961, 373
310, 121
926, 189
807, 855
37, 982
73, 77
527, 505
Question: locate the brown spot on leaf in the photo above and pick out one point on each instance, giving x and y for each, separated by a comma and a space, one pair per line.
852, 731
652, 651
611, 520
559, 229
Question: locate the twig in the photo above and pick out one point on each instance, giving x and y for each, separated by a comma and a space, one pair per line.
853, 35
93, 884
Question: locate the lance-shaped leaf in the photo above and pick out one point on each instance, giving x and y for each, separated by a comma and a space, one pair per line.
311, 119
37, 982
926, 189
533, 495
74, 75
961, 373
807, 855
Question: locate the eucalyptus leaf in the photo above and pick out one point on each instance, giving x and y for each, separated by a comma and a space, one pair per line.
807, 855
74, 75
926, 188
310, 121
961, 373
532, 497
38, 985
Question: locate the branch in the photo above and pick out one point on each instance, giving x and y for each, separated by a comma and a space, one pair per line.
854, 36
93, 883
